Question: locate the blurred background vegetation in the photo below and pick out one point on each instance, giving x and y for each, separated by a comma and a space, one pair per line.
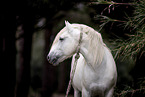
28, 28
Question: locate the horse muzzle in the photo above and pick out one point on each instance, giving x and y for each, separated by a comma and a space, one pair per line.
53, 59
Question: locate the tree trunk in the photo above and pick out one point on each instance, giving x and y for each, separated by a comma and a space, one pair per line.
49, 75
8, 51
25, 57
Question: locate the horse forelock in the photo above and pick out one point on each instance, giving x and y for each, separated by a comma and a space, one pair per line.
58, 35
61, 32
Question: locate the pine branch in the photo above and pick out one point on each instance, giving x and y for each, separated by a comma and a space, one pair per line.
137, 22
130, 47
135, 44
108, 3
105, 20
123, 93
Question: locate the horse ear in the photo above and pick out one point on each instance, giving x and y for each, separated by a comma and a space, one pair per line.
68, 26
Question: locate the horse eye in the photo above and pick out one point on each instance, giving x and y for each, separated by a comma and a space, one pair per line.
61, 39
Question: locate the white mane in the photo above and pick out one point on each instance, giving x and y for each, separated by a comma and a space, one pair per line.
96, 45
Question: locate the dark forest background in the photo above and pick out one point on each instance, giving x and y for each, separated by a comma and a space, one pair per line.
28, 28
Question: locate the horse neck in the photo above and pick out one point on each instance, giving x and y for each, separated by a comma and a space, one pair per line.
93, 49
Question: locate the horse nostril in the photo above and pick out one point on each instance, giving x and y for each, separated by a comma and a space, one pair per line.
48, 58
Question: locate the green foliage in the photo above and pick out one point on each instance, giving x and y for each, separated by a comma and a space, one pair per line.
137, 21
131, 47
129, 91
132, 25
136, 43
105, 20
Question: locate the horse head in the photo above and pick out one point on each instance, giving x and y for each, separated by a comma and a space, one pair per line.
65, 44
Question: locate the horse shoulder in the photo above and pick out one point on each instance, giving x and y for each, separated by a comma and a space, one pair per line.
110, 72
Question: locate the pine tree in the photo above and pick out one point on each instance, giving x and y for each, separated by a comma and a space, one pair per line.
135, 23
131, 40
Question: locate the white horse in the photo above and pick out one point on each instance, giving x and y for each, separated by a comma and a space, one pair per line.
95, 73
